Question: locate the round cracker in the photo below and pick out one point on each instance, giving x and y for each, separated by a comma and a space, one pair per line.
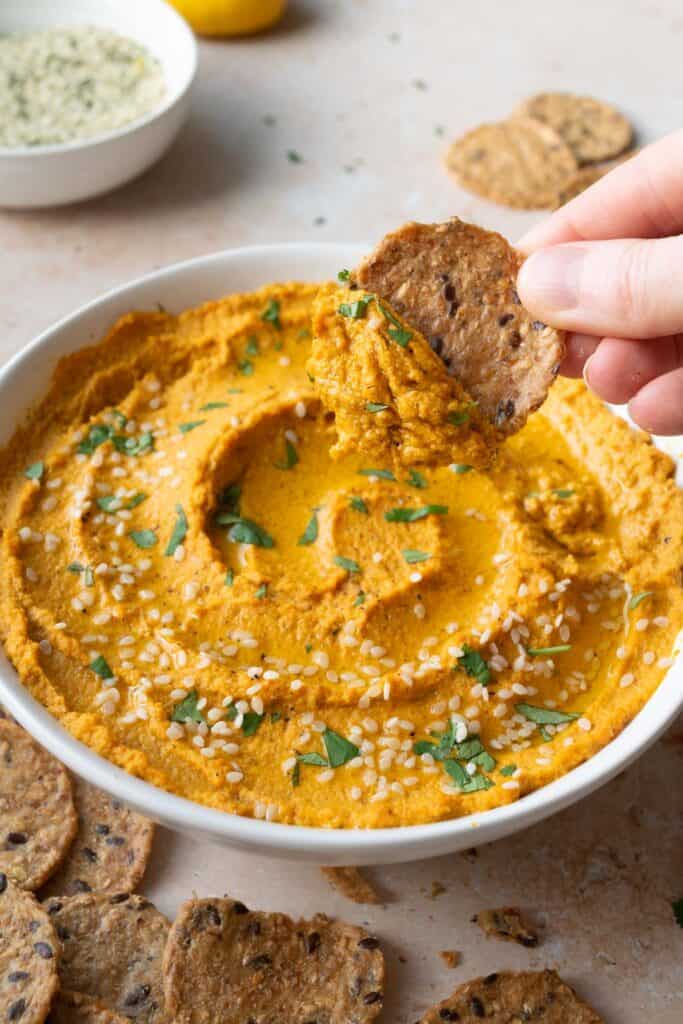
37, 816
29, 956
508, 996
112, 948
455, 283
578, 183
223, 963
110, 851
75, 1008
592, 130
520, 162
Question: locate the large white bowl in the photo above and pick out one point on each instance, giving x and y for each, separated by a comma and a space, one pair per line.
34, 176
26, 378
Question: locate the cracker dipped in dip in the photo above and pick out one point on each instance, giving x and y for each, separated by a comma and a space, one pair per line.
396, 632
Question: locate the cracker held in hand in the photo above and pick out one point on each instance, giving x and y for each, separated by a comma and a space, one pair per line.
223, 963
112, 947
592, 130
520, 162
110, 851
29, 954
512, 996
37, 816
75, 1008
455, 282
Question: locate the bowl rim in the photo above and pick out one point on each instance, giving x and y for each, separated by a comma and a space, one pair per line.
169, 102
324, 845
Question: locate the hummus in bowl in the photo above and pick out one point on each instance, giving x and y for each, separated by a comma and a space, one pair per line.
203, 596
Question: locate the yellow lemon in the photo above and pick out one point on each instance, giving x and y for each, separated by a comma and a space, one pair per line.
230, 17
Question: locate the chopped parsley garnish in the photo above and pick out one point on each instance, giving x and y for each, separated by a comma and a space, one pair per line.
271, 314
133, 445
343, 275
339, 750
100, 666
358, 505
545, 735
294, 157
397, 333
291, 457
229, 577
245, 531
246, 367
412, 515
546, 716
508, 769
185, 428
214, 405
179, 531
355, 310
474, 665
144, 538
229, 498
252, 346
360, 599
382, 474
295, 775
310, 534
303, 334
110, 503
460, 467
346, 563
376, 407
186, 710
458, 418
119, 418
638, 599
251, 723
411, 556
416, 479
97, 434
677, 907
563, 492
539, 652
34, 471
88, 575
261, 592
312, 758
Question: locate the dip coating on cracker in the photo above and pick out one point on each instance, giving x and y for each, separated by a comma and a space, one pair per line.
455, 282
29, 955
226, 963
37, 815
592, 129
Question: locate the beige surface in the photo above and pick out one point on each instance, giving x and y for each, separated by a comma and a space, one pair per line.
344, 95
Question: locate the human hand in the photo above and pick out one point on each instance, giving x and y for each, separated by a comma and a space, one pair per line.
608, 267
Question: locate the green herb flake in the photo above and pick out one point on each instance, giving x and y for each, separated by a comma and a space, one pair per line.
638, 599
508, 769
458, 418
100, 666
275, 716
291, 457
339, 750
485, 761
252, 346
261, 592
412, 515
246, 367
376, 407
229, 577
251, 723
133, 446
214, 405
295, 775
294, 157
412, 557
312, 758
400, 335
355, 310
97, 434
546, 716
35, 471
143, 538
477, 782
540, 652
416, 479
245, 531
347, 564
136, 500
343, 275
358, 505
545, 735
75, 567
474, 665
186, 710
381, 474
360, 599
179, 531
563, 492
456, 772
303, 334
271, 314
460, 467
310, 534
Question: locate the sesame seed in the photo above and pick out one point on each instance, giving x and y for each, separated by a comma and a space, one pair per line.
234, 777
585, 724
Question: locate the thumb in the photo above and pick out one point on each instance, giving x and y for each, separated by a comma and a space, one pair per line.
625, 288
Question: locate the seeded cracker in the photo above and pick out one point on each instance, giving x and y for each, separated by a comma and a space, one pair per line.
352, 884
520, 162
37, 816
29, 953
593, 130
511, 997
112, 948
507, 923
224, 963
110, 851
455, 282
75, 1008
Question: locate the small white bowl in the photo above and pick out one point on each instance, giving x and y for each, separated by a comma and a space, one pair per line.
33, 176
25, 379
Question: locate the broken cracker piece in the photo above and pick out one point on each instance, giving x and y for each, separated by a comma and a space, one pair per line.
455, 283
29, 955
37, 815
512, 996
507, 923
226, 963
593, 130
352, 884
520, 163
451, 957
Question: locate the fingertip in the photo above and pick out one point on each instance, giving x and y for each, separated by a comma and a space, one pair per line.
658, 407
580, 347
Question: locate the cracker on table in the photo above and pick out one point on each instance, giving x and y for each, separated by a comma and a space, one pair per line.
110, 851
451, 957
75, 1008
37, 815
507, 923
29, 956
593, 130
112, 948
352, 884
225, 963
512, 996
520, 162
455, 282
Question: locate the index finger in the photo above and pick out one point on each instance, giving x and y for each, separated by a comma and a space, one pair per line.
641, 198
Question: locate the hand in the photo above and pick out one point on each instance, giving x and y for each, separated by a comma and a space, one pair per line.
608, 267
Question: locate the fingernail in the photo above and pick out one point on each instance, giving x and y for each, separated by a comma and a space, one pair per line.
549, 281
586, 370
